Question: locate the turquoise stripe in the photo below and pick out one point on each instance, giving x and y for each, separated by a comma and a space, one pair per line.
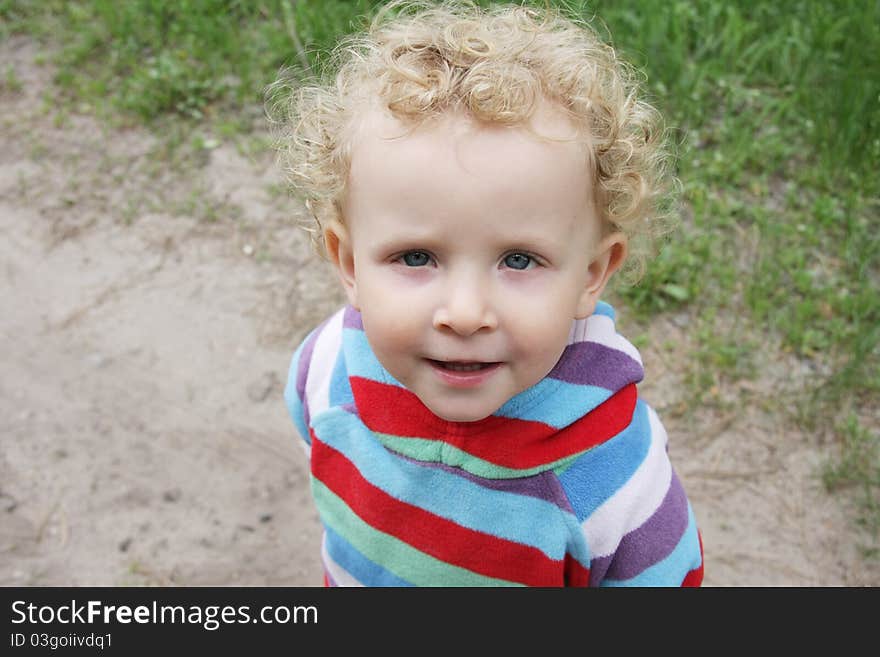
291, 398
600, 472
340, 388
509, 515
570, 402
673, 569
360, 359
603, 308
364, 570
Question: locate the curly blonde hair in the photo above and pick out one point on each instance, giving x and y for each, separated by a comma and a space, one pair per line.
421, 59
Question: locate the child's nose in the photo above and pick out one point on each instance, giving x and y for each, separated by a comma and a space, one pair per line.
466, 309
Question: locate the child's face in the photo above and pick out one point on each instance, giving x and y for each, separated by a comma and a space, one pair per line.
469, 250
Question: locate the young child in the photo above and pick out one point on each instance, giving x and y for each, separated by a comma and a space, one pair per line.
476, 177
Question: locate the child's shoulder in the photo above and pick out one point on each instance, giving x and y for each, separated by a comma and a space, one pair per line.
326, 334
311, 371
629, 475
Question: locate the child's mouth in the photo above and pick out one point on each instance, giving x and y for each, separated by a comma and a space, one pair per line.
455, 366
464, 374
461, 366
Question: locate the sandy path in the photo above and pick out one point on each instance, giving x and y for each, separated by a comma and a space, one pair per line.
142, 434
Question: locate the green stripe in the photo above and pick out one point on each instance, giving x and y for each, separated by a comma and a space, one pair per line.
437, 451
410, 564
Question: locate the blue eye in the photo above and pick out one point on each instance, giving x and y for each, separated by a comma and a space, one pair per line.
416, 259
518, 261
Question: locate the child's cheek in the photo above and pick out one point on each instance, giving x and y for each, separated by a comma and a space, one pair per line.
538, 284
401, 275
397, 298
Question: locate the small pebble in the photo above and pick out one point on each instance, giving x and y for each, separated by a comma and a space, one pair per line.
260, 389
171, 495
9, 503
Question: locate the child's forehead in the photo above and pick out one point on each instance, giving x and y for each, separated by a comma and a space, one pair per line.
454, 166
376, 125
453, 148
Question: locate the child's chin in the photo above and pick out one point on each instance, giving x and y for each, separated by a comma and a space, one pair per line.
451, 414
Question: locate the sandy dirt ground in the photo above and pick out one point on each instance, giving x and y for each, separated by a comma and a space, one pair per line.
149, 311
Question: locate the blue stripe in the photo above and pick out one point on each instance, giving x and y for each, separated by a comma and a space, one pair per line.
570, 402
291, 397
357, 565
600, 472
603, 308
675, 567
525, 519
340, 388
360, 359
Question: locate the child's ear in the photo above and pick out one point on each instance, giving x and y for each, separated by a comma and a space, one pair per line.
337, 241
608, 257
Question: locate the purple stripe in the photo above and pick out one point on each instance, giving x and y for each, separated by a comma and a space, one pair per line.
352, 319
302, 370
652, 542
594, 364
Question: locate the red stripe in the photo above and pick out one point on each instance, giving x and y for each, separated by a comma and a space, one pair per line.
507, 442
439, 537
695, 576
575, 573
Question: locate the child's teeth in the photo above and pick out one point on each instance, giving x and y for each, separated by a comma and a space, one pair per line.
464, 367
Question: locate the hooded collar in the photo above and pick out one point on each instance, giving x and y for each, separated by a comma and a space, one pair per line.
586, 399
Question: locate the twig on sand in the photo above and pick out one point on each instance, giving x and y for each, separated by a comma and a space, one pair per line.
65, 529
41, 528
108, 293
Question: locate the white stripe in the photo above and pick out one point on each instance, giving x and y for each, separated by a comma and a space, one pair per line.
324, 354
578, 331
601, 329
636, 500
336, 572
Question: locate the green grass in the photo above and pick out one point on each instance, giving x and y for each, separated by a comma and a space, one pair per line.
776, 105
193, 59
775, 114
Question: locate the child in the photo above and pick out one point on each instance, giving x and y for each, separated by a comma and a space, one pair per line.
476, 176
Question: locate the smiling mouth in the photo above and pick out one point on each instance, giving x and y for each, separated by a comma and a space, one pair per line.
461, 366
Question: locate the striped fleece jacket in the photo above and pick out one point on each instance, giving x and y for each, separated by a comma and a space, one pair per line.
567, 484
